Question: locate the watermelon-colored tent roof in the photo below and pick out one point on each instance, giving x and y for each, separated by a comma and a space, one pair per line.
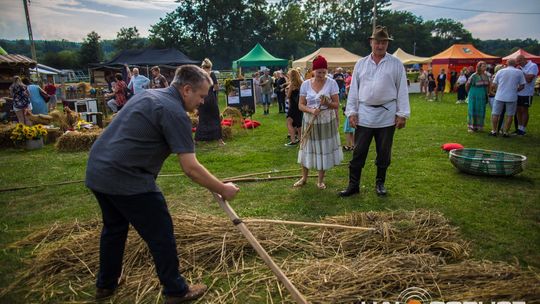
258, 56
527, 55
463, 54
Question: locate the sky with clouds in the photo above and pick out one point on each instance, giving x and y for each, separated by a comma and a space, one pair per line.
73, 19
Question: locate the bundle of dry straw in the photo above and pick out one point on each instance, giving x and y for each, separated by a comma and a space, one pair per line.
405, 249
75, 141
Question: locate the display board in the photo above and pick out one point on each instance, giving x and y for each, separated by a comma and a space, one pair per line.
242, 95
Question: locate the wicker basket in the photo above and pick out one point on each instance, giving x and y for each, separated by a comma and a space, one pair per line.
487, 162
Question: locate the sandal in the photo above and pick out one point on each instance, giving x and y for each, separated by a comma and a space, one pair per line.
321, 186
301, 182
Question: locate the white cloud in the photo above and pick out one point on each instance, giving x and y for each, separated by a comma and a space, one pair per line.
70, 6
161, 5
501, 26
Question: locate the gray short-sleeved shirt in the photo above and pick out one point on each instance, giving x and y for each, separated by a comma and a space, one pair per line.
128, 156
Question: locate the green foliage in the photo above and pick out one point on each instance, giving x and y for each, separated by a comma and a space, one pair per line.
91, 51
66, 59
413, 76
127, 39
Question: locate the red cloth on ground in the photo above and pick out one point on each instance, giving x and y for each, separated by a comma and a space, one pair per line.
451, 146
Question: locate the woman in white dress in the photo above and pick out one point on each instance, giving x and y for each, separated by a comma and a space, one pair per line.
320, 146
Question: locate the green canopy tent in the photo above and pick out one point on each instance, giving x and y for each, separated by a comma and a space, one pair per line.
2, 51
258, 56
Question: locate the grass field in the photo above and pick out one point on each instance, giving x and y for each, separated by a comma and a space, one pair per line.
499, 216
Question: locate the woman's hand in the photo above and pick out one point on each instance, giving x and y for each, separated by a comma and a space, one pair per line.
316, 111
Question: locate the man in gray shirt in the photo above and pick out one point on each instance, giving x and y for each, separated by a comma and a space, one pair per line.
122, 168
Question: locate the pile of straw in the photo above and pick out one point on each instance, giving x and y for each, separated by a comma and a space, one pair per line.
226, 132
53, 134
39, 118
76, 141
406, 249
5, 134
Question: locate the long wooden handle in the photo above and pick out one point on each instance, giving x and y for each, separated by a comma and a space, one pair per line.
321, 225
297, 296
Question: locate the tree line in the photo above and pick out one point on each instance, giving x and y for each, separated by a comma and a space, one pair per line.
224, 30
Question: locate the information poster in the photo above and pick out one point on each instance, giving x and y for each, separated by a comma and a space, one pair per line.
242, 96
246, 89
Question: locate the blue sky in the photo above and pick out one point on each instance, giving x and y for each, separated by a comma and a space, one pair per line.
73, 19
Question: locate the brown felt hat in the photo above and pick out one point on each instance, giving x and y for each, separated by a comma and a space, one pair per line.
380, 33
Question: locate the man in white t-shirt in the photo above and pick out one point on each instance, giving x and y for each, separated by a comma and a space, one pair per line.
507, 82
525, 96
377, 104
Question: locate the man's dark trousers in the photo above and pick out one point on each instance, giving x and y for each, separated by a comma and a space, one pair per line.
384, 138
148, 214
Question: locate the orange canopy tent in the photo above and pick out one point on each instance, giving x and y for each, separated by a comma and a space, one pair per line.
527, 55
458, 56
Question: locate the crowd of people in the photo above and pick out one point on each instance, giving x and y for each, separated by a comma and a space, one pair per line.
152, 122
509, 95
29, 98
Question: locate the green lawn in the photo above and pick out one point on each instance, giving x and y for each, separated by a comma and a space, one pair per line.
499, 216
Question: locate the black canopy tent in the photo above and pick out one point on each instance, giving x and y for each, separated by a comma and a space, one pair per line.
167, 59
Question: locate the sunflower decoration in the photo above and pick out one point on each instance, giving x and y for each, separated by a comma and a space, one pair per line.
22, 132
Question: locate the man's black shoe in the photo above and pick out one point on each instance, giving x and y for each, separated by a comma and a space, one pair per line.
380, 189
349, 191
103, 294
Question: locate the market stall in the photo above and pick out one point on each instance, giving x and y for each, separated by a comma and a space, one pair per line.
457, 57
336, 57
144, 59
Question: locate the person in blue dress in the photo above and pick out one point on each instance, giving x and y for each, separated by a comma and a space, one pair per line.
39, 106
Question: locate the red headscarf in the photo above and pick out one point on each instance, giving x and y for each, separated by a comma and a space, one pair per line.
320, 63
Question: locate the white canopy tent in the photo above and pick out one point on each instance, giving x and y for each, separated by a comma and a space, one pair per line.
336, 57
407, 58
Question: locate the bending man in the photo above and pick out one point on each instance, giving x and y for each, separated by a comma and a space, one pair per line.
122, 168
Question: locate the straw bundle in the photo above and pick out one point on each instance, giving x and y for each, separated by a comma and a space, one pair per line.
75, 141
39, 118
194, 117
53, 134
59, 119
328, 266
226, 132
5, 134
234, 114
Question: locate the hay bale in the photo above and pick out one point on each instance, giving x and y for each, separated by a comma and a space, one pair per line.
39, 119
75, 141
5, 134
59, 119
66, 259
234, 114
52, 135
226, 132
194, 117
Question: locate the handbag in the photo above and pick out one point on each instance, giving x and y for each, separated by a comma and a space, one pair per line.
44, 95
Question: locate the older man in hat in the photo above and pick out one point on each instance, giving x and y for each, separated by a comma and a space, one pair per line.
378, 103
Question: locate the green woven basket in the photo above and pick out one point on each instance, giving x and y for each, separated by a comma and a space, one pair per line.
487, 162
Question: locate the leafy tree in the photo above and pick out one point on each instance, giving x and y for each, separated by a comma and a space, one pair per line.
91, 51
291, 30
409, 33
128, 38
219, 29
356, 24
66, 59
447, 32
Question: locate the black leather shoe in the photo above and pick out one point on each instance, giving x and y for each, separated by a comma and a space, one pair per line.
380, 189
103, 294
349, 191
